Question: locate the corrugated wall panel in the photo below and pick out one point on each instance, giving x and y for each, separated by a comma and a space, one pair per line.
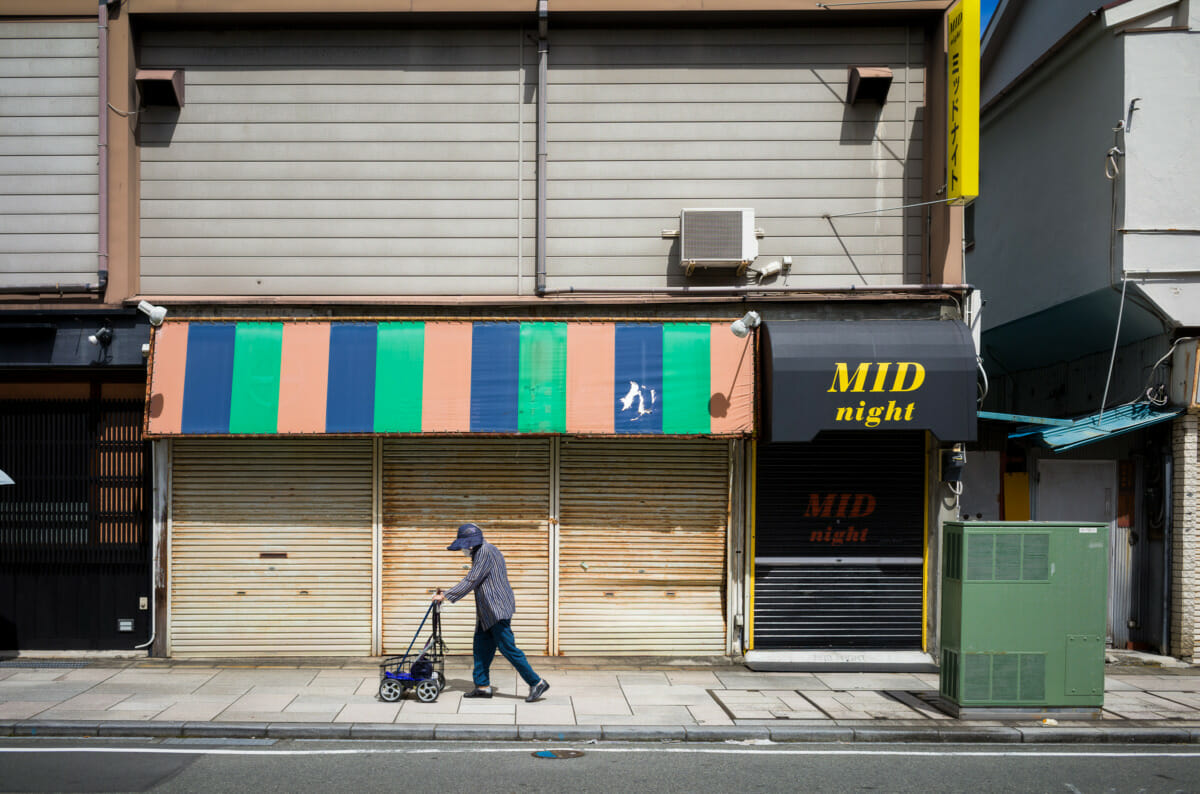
430, 487
49, 209
643, 528
644, 123
335, 161
271, 549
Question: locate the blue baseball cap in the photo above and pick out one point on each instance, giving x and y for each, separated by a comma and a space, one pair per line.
469, 536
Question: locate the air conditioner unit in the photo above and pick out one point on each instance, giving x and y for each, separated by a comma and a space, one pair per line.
717, 238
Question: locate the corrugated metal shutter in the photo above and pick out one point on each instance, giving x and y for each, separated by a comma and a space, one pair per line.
271, 550
839, 542
642, 541
430, 486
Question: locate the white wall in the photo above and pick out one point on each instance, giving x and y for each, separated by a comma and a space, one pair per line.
1045, 204
1162, 169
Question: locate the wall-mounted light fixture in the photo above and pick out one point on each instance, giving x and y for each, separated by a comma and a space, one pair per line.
102, 338
741, 327
155, 313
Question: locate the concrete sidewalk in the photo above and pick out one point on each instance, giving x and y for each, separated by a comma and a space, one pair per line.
616, 699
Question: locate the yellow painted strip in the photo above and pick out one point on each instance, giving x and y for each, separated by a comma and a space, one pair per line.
925, 556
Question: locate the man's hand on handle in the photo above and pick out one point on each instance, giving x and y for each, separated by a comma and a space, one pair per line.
438, 597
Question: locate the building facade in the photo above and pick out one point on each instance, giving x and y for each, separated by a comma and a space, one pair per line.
1085, 246
665, 301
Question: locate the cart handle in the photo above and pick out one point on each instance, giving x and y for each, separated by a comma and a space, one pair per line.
436, 614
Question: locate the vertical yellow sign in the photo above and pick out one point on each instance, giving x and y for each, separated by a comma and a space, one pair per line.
962, 139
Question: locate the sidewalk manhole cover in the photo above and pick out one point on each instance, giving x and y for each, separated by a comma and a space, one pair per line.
557, 754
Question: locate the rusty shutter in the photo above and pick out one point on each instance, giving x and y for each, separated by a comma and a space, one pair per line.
430, 486
271, 549
642, 546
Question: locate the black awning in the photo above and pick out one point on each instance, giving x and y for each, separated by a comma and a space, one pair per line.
868, 375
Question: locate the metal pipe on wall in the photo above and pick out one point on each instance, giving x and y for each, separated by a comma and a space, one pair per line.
543, 57
102, 166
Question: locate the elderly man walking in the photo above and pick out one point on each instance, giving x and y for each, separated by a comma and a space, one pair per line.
494, 606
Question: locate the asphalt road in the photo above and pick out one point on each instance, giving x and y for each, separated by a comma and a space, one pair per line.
179, 765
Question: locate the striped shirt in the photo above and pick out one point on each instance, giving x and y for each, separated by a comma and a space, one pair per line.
488, 577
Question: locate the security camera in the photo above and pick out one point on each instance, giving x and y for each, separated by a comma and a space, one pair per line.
155, 313
102, 337
741, 327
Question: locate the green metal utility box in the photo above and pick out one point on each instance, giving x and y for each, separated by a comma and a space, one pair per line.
1024, 608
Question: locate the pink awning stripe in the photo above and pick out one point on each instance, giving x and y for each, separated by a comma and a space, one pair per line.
732, 404
446, 403
591, 360
303, 377
165, 412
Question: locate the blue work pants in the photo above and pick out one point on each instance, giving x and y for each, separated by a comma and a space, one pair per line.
499, 637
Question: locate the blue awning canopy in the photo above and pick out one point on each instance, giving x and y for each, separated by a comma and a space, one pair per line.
1061, 435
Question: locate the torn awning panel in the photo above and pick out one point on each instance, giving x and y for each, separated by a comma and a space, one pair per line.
324, 377
1096, 427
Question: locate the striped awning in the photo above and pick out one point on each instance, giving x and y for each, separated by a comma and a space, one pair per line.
497, 377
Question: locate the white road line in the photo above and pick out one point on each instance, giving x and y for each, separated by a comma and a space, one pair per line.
588, 749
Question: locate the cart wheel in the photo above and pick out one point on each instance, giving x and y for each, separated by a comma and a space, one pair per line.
390, 690
427, 691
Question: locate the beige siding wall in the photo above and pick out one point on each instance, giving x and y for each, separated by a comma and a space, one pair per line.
351, 162
49, 103
644, 123
402, 162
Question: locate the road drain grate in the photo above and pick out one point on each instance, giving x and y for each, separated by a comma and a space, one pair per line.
557, 754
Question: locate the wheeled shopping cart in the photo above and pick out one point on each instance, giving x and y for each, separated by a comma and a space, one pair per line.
424, 672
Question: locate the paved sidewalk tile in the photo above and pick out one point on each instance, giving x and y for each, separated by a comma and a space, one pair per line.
709, 714
860, 705
21, 709
368, 712
599, 706
845, 682
666, 696
544, 713
260, 701
192, 711
91, 700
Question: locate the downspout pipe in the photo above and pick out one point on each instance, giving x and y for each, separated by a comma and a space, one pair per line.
102, 170
543, 57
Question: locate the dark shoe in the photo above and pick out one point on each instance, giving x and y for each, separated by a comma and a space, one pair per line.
480, 692
537, 690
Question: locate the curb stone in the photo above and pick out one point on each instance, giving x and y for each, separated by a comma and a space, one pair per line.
644, 733
226, 730
6, 727
387, 730
308, 730
1155, 735
992, 734
138, 728
811, 733
1051, 735
56, 728
565, 733
726, 733
483, 733
896, 733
